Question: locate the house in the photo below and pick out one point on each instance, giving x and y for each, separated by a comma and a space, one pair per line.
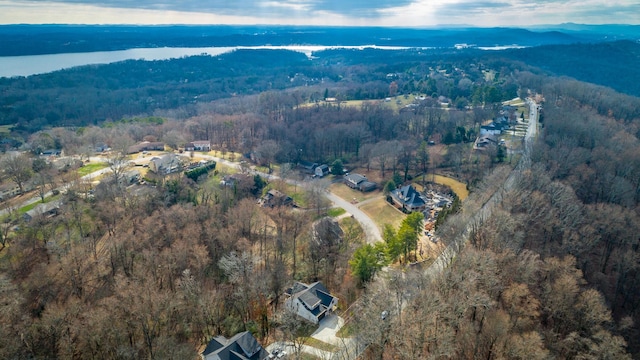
496, 127
235, 179
321, 170
46, 210
198, 145
307, 167
165, 164
126, 178
100, 148
484, 141
275, 198
51, 152
242, 346
146, 146
408, 198
8, 190
359, 182
490, 129
131, 177
311, 302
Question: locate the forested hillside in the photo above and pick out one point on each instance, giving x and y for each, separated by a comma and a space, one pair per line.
612, 64
554, 271
156, 269
52, 39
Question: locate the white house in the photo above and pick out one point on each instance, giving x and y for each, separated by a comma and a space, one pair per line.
198, 145
311, 302
321, 170
165, 164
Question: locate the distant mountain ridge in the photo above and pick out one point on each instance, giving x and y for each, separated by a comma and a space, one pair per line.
17, 40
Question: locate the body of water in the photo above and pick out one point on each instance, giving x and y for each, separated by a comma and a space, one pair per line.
11, 66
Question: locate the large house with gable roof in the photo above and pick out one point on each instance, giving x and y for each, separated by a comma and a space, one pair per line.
311, 302
242, 346
408, 198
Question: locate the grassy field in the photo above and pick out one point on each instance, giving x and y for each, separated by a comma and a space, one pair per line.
335, 212
93, 167
383, 213
395, 103
349, 194
514, 102
231, 156
459, 188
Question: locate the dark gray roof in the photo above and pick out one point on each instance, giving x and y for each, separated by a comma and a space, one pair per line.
408, 196
242, 346
355, 178
367, 185
42, 209
307, 165
315, 297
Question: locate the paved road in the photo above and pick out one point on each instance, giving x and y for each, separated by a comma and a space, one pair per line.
371, 230
456, 245
372, 233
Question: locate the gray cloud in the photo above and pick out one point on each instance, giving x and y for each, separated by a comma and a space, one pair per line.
472, 7
358, 8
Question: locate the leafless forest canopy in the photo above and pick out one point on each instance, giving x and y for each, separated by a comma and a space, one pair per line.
554, 272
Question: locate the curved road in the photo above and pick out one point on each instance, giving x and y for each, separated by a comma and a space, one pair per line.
371, 230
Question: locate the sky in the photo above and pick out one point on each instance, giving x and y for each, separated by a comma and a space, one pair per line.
397, 13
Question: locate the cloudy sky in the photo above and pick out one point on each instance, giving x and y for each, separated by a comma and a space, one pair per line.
404, 13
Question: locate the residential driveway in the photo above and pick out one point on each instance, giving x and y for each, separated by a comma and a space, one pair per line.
370, 228
328, 328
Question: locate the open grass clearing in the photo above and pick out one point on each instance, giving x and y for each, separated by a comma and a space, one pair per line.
92, 167
227, 155
336, 211
381, 212
394, 103
459, 188
514, 102
350, 194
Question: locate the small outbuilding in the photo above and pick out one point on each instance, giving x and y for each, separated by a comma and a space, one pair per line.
321, 170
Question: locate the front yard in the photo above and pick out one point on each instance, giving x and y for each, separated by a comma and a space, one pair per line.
350, 194
92, 167
381, 212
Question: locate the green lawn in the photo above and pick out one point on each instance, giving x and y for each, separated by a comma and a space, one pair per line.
93, 167
349, 194
381, 212
459, 188
335, 212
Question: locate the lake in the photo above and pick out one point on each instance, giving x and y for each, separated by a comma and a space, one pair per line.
11, 66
